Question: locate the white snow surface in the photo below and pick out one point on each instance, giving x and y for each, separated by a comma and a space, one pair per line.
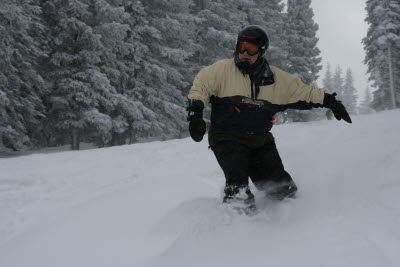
159, 204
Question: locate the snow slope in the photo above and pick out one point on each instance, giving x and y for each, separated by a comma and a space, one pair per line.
159, 204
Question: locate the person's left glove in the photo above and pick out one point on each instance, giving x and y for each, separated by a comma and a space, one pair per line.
197, 126
338, 109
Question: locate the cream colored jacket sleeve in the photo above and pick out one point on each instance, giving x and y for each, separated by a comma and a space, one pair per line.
294, 90
206, 83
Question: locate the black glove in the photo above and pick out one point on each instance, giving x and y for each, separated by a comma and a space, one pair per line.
339, 111
197, 126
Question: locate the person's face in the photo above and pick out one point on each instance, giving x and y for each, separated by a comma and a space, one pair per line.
248, 52
246, 57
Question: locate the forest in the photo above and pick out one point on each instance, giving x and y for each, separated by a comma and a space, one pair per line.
114, 72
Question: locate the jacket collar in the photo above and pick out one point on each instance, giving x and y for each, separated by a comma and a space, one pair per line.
260, 72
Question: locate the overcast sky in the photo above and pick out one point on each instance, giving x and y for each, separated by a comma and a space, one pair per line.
341, 29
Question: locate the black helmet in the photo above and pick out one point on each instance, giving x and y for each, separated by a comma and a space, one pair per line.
255, 35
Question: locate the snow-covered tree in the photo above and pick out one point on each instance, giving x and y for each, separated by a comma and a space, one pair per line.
365, 105
21, 85
108, 71
303, 54
219, 22
199, 5
217, 29
135, 68
300, 32
120, 24
349, 93
382, 45
82, 97
160, 80
269, 15
328, 80
338, 83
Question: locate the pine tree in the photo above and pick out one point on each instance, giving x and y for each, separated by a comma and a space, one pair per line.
160, 81
21, 85
303, 53
349, 93
138, 66
269, 15
328, 80
105, 71
82, 97
338, 83
217, 30
382, 45
119, 23
365, 106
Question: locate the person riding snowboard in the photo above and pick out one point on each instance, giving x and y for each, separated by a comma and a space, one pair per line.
245, 93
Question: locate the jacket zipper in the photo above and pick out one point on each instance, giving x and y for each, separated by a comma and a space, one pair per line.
252, 87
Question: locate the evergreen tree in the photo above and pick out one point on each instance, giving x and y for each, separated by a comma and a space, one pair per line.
161, 82
21, 85
349, 93
199, 5
382, 45
303, 53
217, 29
269, 15
106, 71
82, 97
120, 24
328, 80
142, 74
365, 106
338, 83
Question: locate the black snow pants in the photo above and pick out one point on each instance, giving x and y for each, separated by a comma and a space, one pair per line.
262, 165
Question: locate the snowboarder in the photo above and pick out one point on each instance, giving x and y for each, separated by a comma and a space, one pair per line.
245, 93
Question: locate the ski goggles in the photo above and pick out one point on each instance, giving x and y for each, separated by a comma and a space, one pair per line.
251, 49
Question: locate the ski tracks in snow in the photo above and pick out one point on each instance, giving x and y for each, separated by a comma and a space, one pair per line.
159, 204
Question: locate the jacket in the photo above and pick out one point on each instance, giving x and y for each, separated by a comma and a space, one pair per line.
242, 106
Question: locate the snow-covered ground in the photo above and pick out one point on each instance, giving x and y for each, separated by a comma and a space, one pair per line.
159, 204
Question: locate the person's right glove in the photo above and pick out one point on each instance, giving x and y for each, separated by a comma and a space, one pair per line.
339, 111
197, 126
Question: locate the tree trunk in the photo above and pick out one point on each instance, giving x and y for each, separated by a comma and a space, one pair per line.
75, 136
118, 139
391, 76
201, 5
